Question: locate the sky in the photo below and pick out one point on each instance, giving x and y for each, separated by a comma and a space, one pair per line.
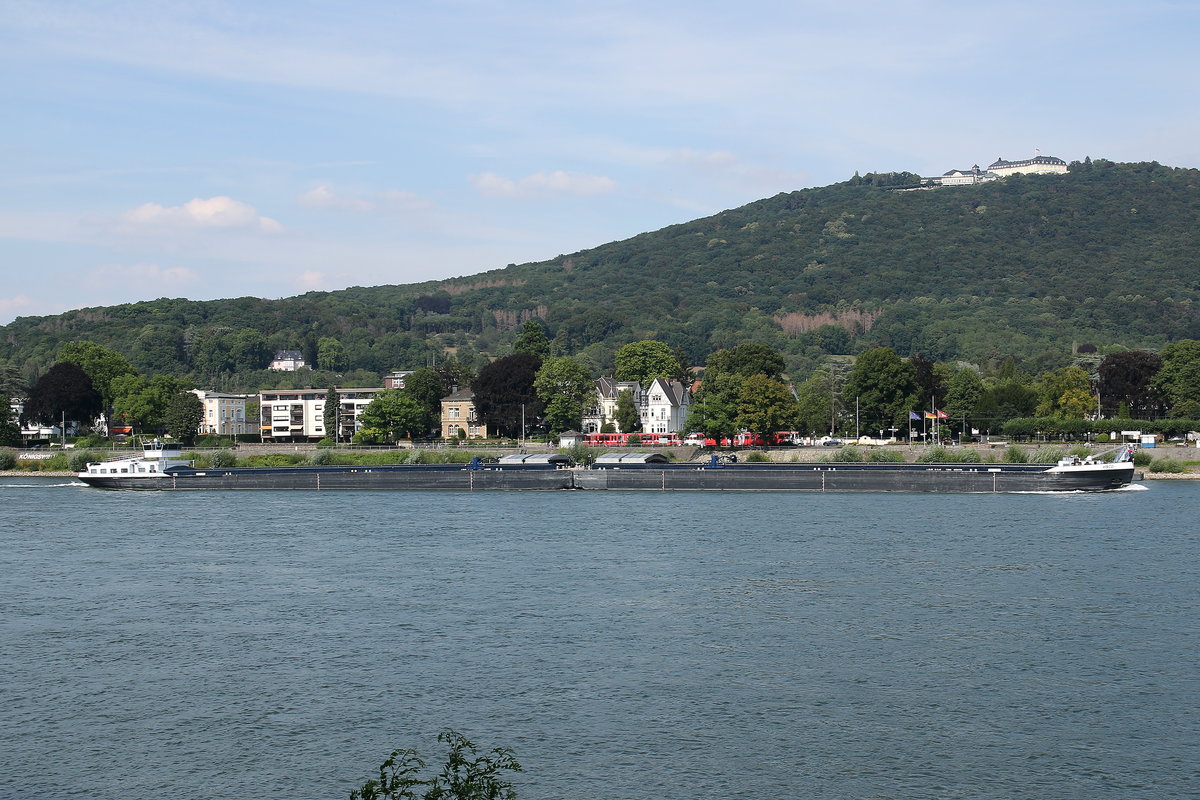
210, 149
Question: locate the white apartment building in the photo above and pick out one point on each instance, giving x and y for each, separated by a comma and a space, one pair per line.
298, 415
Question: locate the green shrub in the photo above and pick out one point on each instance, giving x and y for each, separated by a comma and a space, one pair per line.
1047, 455
91, 440
1015, 455
321, 458
1142, 459
1166, 465
848, 454
55, 463
883, 455
8, 460
935, 455
967, 457
223, 458
80, 459
757, 457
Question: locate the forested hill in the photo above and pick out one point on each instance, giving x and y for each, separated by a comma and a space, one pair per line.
1105, 255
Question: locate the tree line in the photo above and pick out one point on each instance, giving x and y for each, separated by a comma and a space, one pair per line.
742, 388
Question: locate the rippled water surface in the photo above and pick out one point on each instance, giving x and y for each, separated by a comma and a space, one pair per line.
641, 646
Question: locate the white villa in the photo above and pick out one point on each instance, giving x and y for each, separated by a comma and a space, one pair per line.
663, 406
287, 361
224, 414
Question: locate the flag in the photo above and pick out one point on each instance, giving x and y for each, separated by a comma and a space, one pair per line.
942, 415
914, 415
930, 415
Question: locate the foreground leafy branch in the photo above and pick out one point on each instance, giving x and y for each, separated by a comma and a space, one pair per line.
465, 776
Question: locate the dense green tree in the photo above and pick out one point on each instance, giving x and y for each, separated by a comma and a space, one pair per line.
565, 387
746, 359
67, 390
963, 394
532, 340
765, 405
815, 399
1065, 393
330, 354
504, 394
646, 360
885, 388
183, 416
247, 349
1127, 379
455, 373
627, 416
467, 774
142, 402
425, 386
391, 415
1002, 401
1179, 378
331, 412
101, 364
931, 382
10, 431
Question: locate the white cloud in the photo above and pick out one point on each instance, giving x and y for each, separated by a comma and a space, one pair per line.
215, 212
9, 305
543, 184
324, 196
310, 280
149, 278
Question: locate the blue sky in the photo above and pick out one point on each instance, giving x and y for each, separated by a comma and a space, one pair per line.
221, 149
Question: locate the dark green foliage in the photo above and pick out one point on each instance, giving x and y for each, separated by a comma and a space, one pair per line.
627, 417
504, 394
64, 390
183, 416
10, 431
223, 458
466, 775
1126, 382
1018, 267
8, 460
533, 340
331, 413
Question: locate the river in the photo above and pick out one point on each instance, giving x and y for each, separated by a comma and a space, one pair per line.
630, 646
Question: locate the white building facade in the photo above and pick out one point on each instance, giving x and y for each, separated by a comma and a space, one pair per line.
298, 415
1038, 165
224, 414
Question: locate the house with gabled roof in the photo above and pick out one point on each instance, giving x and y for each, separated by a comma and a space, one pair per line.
665, 406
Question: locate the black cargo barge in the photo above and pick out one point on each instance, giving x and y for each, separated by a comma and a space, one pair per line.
162, 469
1069, 475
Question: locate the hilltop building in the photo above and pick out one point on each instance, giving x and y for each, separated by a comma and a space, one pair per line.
287, 361
1038, 165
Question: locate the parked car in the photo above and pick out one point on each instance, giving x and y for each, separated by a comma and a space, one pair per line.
832, 443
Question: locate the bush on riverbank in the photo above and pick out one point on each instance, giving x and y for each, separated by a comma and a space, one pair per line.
1167, 465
